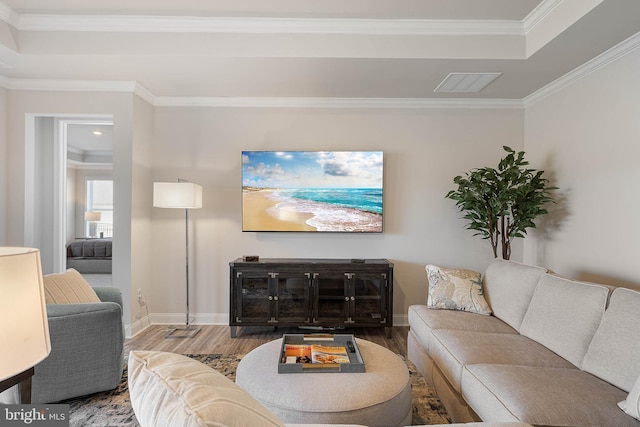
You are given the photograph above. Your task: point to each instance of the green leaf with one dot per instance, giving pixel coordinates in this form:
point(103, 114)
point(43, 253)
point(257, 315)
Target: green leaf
point(511, 193)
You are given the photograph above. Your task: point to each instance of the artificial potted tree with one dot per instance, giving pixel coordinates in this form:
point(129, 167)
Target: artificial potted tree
point(501, 204)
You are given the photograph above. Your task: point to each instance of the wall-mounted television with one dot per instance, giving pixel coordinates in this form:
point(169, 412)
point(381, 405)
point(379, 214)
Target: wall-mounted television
point(312, 191)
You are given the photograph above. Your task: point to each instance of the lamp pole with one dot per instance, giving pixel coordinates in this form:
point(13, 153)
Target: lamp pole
point(186, 264)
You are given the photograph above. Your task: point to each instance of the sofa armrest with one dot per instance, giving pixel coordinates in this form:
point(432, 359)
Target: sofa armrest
point(109, 294)
point(87, 351)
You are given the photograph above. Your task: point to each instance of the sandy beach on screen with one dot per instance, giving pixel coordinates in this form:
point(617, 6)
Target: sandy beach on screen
point(259, 213)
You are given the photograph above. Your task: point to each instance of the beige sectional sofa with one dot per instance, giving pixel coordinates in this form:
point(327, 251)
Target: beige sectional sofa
point(554, 352)
point(169, 389)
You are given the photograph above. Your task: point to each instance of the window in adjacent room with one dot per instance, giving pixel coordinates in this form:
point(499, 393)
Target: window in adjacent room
point(100, 200)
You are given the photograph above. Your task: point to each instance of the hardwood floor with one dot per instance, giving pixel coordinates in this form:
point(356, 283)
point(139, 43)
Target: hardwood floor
point(217, 340)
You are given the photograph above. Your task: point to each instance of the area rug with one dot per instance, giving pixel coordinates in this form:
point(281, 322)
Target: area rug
point(113, 408)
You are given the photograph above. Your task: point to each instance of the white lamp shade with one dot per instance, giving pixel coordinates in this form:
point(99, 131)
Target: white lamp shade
point(24, 329)
point(92, 216)
point(185, 195)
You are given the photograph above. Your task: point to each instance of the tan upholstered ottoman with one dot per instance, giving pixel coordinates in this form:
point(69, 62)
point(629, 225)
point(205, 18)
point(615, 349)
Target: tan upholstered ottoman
point(381, 396)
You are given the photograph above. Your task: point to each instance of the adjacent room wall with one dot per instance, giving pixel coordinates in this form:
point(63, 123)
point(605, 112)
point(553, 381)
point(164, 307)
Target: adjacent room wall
point(423, 150)
point(588, 136)
point(141, 206)
point(119, 106)
point(44, 183)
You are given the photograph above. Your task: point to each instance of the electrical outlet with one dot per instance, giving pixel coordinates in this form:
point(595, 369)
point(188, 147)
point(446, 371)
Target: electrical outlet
point(141, 301)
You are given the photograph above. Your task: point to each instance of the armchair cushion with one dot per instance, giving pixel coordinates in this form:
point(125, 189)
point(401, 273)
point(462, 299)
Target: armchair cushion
point(68, 288)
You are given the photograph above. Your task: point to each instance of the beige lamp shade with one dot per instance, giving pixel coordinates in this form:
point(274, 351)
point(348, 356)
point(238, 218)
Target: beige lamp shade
point(185, 195)
point(92, 216)
point(24, 328)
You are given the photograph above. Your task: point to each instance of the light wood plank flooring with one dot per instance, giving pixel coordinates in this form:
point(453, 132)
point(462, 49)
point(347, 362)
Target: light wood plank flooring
point(217, 340)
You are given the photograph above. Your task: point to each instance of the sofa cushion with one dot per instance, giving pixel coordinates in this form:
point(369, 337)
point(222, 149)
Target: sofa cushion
point(456, 289)
point(508, 288)
point(564, 315)
point(613, 354)
point(543, 396)
point(68, 288)
point(453, 350)
point(422, 320)
point(168, 389)
point(631, 405)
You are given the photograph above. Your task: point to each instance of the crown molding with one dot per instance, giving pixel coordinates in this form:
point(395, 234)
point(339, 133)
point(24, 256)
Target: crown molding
point(302, 102)
point(8, 15)
point(41, 22)
point(68, 85)
point(615, 53)
point(250, 102)
point(190, 24)
point(539, 14)
point(144, 93)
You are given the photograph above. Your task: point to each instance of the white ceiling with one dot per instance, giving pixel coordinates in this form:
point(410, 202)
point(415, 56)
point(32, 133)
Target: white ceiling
point(89, 144)
point(396, 49)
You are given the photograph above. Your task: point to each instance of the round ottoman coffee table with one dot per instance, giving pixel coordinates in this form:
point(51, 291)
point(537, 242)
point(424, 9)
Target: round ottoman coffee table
point(381, 396)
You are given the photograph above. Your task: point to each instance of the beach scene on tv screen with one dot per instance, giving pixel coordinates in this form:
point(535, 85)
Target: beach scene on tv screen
point(328, 191)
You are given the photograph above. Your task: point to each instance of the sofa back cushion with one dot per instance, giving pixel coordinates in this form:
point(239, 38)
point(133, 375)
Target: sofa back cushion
point(564, 315)
point(508, 288)
point(614, 352)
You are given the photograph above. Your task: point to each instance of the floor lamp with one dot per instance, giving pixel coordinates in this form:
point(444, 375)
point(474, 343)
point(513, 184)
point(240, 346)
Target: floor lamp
point(24, 329)
point(180, 195)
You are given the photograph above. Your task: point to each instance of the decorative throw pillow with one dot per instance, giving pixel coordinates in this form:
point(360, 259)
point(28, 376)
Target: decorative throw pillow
point(632, 405)
point(456, 289)
point(168, 389)
point(68, 288)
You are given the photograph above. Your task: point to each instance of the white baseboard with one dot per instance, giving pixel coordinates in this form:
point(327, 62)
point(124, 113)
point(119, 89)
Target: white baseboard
point(221, 319)
point(400, 320)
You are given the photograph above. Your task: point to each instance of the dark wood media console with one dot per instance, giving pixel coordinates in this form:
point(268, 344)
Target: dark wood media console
point(314, 293)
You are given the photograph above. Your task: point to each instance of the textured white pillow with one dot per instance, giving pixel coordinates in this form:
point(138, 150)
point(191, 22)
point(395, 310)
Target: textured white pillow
point(632, 405)
point(168, 389)
point(68, 288)
point(456, 289)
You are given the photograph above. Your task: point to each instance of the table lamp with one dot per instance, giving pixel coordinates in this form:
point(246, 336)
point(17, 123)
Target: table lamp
point(92, 217)
point(24, 329)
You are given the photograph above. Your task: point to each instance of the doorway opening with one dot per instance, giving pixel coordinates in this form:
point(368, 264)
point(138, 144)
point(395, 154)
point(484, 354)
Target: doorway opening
point(64, 153)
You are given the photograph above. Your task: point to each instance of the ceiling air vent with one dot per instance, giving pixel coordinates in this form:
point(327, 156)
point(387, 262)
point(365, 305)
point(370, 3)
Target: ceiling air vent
point(466, 82)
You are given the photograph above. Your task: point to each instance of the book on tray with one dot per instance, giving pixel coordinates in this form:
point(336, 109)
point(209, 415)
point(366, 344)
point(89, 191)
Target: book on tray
point(315, 353)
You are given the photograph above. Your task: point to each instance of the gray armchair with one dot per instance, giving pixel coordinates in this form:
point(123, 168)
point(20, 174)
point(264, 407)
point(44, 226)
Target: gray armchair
point(87, 349)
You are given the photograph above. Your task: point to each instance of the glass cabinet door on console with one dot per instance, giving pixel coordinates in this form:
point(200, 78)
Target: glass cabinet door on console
point(367, 294)
point(253, 297)
point(292, 299)
point(331, 298)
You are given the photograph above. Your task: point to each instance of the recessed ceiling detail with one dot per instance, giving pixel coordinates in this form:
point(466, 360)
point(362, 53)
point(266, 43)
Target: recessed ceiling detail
point(298, 52)
point(466, 82)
